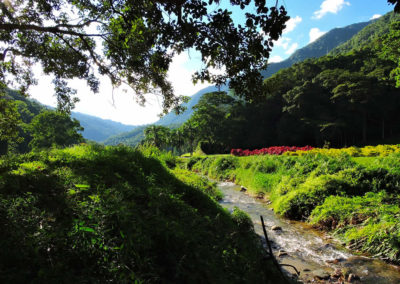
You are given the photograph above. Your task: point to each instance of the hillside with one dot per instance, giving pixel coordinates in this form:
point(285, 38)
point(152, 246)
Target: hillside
point(118, 215)
point(318, 48)
point(95, 128)
point(172, 118)
point(378, 27)
point(98, 129)
point(131, 138)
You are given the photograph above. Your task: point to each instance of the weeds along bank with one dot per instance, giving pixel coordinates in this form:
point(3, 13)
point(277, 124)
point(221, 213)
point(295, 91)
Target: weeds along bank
point(91, 214)
point(356, 198)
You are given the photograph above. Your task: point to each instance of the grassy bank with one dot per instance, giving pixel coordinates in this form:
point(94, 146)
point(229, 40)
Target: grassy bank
point(92, 214)
point(356, 198)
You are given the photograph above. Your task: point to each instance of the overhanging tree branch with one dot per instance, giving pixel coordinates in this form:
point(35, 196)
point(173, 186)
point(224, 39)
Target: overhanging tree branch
point(54, 29)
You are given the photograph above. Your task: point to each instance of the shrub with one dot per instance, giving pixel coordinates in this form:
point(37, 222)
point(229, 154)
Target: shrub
point(114, 214)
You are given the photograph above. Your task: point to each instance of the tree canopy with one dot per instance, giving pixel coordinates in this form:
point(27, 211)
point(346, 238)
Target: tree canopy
point(51, 128)
point(133, 42)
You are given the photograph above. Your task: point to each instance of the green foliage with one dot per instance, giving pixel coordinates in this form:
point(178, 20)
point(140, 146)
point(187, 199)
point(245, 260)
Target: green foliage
point(157, 135)
point(391, 50)
point(369, 223)
point(329, 41)
point(9, 123)
point(51, 128)
point(138, 39)
point(357, 197)
point(368, 34)
point(130, 138)
point(242, 220)
point(115, 214)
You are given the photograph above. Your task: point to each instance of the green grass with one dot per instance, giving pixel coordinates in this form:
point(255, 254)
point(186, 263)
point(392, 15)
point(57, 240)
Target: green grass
point(93, 214)
point(329, 192)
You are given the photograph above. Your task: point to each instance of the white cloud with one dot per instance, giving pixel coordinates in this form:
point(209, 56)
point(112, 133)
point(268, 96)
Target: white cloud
point(283, 42)
point(275, 59)
point(330, 6)
point(315, 33)
point(180, 74)
point(292, 23)
point(376, 16)
point(292, 48)
point(117, 104)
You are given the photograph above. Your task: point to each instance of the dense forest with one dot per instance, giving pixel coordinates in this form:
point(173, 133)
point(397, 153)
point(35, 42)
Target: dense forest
point(343, 99)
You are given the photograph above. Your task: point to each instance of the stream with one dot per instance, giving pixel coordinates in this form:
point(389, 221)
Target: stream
point(313, 253)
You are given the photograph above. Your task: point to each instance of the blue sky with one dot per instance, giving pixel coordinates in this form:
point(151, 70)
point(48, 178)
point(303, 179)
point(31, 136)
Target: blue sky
point(312, 18)
point(309, 19)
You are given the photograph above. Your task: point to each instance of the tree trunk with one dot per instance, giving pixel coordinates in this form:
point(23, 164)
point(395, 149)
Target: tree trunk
point(383, 128)
point(364, 127)
point(3, 147)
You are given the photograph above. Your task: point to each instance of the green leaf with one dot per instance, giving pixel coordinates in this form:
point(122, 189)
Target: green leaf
point(82, 186)
point(87, 229)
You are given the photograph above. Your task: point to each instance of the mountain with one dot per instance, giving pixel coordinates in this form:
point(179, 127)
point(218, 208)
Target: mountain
point(318, 48)
point(174, 119)
point(95, 128)
point(377, 28)
point(131, 138)
point(98, 129)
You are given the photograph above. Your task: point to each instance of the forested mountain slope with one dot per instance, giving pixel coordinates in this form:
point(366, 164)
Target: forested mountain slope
point(172, 118)
point(335, 100)
point(318, 48)
point(130, 138)
point(95, 128)
point(376, 29)
point(98, 129)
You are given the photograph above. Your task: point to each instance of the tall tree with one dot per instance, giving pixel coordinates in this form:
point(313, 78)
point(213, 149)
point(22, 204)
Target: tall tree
point(157, 135)
point(51, 128)
point(133, 42)
point(9, 123)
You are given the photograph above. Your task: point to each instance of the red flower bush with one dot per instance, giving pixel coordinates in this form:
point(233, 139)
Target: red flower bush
point(275, 150)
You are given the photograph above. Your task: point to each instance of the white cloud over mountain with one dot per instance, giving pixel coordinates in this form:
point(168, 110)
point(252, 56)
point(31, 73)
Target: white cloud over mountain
point(291, 24)
point(275, 59)
point(292, 48)
point(330, 6)
point(376, 16)
point(315, 33)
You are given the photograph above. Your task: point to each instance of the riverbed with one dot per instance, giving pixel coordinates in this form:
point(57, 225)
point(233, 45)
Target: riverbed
point(316, 255)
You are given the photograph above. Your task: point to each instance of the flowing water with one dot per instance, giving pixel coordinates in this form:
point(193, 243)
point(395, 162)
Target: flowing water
point(311, 252)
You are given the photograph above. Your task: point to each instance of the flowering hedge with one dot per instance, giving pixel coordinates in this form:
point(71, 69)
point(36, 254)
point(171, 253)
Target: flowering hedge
point(275, 150)
point(367, 151)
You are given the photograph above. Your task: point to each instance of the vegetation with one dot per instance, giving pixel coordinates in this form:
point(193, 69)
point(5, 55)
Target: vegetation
point(51, 128)
point(98, 129)
point(99, 214)
point(35, 126)
point(92, 213)
point(317, 49)
point(357, 198)
point(138, 40)
point(94, 128)
point(337, 100)
point(346, 98)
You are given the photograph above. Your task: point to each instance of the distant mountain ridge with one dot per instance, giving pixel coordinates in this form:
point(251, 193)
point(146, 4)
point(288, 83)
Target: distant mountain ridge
point(377, 28)
point(95, 128)
point(322, 46)
point(98, 129)
point(172, 118)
